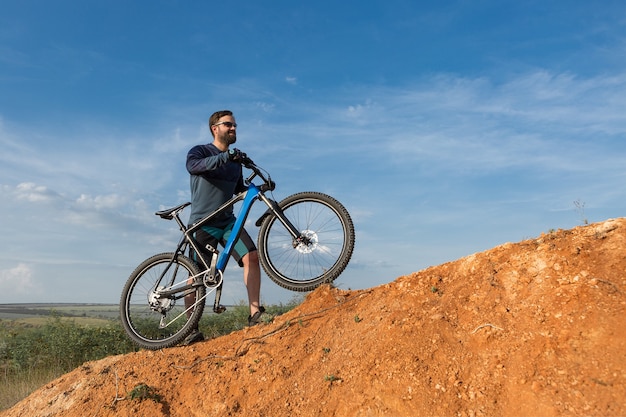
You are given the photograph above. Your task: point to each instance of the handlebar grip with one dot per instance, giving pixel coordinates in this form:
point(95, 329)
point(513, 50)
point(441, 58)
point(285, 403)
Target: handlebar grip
point(268, 186)
point(247, 162)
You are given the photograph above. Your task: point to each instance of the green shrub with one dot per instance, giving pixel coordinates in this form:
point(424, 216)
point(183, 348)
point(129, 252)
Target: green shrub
point(60, 344)
point(144, 392)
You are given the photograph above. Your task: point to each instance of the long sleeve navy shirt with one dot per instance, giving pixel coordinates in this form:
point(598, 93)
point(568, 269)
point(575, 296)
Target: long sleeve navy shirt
point(214, 179)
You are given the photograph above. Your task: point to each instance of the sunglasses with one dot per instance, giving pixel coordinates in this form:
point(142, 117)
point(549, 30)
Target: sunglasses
point(227, 124)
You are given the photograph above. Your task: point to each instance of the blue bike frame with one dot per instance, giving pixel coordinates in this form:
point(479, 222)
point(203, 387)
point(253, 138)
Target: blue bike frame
point(251, 195)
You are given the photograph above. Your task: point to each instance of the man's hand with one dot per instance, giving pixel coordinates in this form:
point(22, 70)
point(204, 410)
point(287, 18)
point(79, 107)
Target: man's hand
point(236, 155)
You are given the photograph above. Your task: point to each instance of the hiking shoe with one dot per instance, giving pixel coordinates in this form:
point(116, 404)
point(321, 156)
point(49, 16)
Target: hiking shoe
point(194, 336)
point(256, 318)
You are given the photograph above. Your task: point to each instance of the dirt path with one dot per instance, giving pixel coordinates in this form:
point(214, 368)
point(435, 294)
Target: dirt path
point(532, 328)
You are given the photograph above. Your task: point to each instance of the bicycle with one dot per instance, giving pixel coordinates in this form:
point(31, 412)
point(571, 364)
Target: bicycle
point(304, 241)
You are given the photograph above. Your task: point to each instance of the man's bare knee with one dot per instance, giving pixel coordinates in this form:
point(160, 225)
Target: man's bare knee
point(250, 257)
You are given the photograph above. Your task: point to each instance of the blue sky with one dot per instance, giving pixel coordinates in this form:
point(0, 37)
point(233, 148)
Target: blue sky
point(446, 128)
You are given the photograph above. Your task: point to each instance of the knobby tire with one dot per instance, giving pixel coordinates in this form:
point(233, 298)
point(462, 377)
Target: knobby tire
point(330, 232)
point(140, 321)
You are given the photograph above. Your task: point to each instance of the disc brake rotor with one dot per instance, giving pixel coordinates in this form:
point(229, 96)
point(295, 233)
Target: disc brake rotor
point(309, 243)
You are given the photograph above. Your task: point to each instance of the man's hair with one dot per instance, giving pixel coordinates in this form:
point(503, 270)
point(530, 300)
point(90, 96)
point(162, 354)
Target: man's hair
point(215, 117)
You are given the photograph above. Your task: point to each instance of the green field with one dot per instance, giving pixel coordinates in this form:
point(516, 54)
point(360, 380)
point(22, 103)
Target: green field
point(81, 313)
point(39, 314)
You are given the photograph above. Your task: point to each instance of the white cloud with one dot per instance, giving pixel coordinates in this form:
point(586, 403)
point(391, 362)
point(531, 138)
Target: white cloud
point(34, 193)
point(17, 280)
point(100, 202)
point(265, 107)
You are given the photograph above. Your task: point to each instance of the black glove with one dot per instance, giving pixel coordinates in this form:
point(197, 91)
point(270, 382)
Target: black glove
point(236, 155)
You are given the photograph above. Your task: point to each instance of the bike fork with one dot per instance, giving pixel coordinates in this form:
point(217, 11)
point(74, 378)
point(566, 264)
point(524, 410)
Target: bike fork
point(274, 209)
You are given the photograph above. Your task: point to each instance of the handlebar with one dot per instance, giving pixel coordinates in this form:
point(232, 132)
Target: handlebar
point(268, 184)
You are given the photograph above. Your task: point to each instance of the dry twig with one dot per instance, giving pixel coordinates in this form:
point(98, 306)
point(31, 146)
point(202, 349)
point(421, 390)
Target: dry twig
point(117, 383)
point(486, 325)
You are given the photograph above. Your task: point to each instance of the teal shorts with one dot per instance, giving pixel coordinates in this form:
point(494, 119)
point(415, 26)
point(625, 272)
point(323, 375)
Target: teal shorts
point(209, 235)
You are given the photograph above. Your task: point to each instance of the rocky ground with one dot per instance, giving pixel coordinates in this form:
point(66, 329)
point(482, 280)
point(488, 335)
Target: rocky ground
point(530, 328)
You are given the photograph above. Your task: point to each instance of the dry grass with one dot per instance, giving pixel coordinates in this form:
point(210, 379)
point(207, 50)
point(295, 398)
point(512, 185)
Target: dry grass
point(18, 386)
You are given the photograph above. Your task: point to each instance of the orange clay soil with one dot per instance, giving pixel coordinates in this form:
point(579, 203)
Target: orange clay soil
point(531, 328)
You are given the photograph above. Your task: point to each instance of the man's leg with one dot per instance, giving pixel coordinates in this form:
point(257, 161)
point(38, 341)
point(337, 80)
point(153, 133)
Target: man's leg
point(195, 335)
point(252, 280)
point(204, 237)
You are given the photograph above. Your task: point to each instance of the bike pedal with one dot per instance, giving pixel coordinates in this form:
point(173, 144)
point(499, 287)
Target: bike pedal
point(219, 309)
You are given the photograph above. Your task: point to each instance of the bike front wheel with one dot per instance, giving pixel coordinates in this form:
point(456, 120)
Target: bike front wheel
point(152, 304)
point(324, 252)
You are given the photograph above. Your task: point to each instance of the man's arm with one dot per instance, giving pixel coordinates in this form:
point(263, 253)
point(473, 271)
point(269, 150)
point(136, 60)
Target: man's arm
point(198, 162)
point(240, 185)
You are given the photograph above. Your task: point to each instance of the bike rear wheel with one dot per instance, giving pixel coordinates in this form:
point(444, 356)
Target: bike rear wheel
point(326, 251)
point(151, 318)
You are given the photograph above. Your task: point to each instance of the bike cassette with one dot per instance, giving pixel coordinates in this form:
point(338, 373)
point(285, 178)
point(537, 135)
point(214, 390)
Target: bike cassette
point(159, 304)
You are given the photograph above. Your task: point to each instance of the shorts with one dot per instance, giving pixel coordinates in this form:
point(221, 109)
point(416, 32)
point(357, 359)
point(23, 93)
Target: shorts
point(208, 235)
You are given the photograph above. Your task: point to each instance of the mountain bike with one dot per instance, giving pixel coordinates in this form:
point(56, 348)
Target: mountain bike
point(304, 241)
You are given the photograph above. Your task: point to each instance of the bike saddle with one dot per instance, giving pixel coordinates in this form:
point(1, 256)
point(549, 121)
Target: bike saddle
point(169, 213)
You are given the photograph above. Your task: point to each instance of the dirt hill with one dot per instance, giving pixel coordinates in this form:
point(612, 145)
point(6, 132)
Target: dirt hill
point(532, 328)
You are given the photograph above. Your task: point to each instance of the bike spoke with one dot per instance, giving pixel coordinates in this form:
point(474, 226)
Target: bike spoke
point(322, 250)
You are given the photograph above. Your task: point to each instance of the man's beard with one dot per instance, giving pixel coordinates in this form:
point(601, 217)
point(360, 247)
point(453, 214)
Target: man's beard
point(228, 138)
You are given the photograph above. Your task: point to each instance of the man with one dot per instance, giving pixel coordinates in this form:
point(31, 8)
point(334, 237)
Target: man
point(216, 175)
